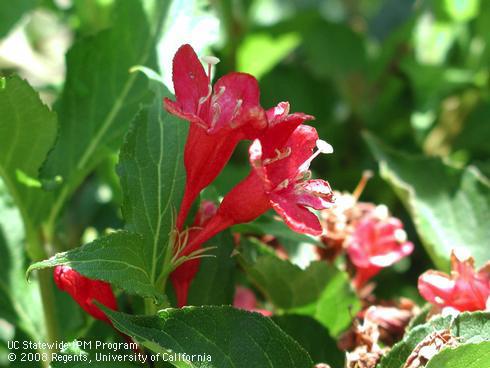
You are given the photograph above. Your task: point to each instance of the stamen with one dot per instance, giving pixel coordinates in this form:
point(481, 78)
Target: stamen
point(216, 114)
point(279, 156)
point(366, 175)
point(237, 108)
point(282, 185)
point(381, 212)
point(400, 235)
point(323, 147)
point(211, 61)
point(203, 99)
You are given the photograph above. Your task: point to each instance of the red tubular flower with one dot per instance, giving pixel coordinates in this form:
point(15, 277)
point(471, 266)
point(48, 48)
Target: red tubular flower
point(378, 241)
point(220, 117)
point(183, 275)
point(279, 179)
point(85, 291)
point(464, 289)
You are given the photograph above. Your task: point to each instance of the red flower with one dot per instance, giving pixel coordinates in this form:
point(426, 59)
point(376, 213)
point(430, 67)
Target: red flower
point(378, 241)
point(84, 291)
point(219, 118)
point(279, 179)
point(245, 299)
point(464, 289)
point(183, 275)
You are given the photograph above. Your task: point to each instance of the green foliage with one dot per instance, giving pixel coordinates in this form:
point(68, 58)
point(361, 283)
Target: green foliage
point(19, 302)
point(464, 356)
point(467, 328)
point(214, 283)
point(313, 337)
point(22, 117)
point(321, 291)
point(449, 206)
point(233, 338)
point(152, 174)
point(101, 95)
point(12, 12)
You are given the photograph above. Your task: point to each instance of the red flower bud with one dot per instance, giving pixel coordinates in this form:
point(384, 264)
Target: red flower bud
point(220, 117)
point(378, 241)
point(85, 291)
point(464, 289)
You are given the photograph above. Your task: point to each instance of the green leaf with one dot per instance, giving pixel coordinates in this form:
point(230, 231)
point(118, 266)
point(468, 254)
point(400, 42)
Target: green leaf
point(449, 206)
point(230, 337)
point(11, 13)
point(463, 356)
point(271, 50)
point(321, 291)
point(101, 95)
point(462, 10)
point(467, 328)
point(115, 258)
point(214, 282)
point(313, 337)
point(20, 303)
point(152, 177)
point(27, 131)
point(285, 284)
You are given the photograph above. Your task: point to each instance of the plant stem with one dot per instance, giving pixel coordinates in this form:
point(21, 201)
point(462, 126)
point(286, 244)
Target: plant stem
point(49, 306)
point(46, 290)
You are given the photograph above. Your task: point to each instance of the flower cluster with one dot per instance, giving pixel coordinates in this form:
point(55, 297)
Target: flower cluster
point(280, 155)
point(371, 237)
point(465, 289)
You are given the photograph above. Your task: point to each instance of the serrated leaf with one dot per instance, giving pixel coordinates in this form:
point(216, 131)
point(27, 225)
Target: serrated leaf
point(449, 206)
point(464, 356)
point(27, 131)
point(313, 337)
point(467, 328)
point(101, 95)
point(231, 337)
point(152, 177)
point(12, 12)
point(115, 258)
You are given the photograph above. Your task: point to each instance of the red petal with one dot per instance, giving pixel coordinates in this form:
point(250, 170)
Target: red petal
point(296, 217)
point(236, 102)
point(190, 80)
point(436, 287)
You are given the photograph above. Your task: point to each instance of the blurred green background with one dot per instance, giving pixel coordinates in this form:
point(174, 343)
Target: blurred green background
point(414, 73)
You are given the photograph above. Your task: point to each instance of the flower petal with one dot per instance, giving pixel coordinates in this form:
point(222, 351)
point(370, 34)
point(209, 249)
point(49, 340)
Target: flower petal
point(236, 102)
point(295, 216)
point(190, 80)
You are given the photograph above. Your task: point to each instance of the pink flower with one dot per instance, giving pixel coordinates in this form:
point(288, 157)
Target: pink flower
point(183, 275)
point(245, 299)
point(85, 291)
point(464, 289)
point(378, 241)
point(220, 117)
point(279, 179)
